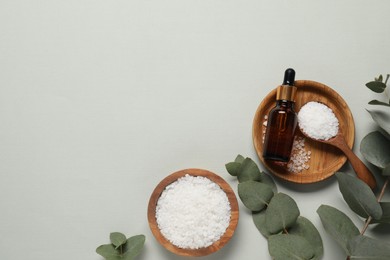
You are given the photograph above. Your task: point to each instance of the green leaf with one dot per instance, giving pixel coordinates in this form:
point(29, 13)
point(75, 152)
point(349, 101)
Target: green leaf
point(282, 213)
point(254, 195)
point(117, 239)
point(133, 246)
point(249, 171)
point(266, 179)
point(287, 247)
point(362, 247)
point(375, 147)
point(239, 158)
point(304, 228)
point(382, 119)
point(380, 78)
point(377, 102)
point(233, 168)
point(259, 220)
point(385, 219)
point(338, 225)
point(116, 258)
point(376, 86)
point(359, 196)
point(386, 171)
point(108, 251)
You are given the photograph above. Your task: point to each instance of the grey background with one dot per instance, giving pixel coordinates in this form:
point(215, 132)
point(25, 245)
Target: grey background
point(100, 100)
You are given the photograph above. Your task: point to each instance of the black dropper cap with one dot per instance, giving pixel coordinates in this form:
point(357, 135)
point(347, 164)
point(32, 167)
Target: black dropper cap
point(289, 77)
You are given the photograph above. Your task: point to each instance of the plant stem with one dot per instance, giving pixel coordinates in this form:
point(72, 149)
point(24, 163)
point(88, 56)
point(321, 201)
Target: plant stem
point(379, 198)
point(383, 189)
point(387, 78)
point(387, 95)
point(366, 223)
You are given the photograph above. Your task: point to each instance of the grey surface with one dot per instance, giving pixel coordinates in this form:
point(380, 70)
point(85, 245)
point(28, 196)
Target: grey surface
point(100, 100)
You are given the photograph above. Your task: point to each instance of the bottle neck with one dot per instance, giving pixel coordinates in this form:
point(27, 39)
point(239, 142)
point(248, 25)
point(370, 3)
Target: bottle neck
point(286, 92)
point(285, 103)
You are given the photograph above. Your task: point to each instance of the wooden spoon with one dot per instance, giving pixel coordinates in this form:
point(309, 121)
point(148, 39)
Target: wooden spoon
point(360, 168)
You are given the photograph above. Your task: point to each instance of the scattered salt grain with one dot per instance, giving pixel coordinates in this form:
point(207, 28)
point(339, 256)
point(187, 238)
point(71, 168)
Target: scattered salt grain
point(318, 121)
point(265, 122)
point(300, 157)
point(193, 212)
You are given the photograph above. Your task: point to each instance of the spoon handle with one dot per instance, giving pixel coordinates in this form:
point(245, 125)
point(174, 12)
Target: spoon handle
point(360, 168)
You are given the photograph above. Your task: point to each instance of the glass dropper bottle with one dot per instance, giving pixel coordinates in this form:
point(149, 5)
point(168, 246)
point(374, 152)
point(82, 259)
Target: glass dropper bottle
point(282, 122)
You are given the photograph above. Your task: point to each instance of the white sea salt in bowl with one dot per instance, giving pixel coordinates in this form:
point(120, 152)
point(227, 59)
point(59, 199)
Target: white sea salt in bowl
point(193, 212)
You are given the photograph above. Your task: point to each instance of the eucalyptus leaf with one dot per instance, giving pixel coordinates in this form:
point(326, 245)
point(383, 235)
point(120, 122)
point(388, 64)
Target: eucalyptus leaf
point(375, 147)
point(282, 213)
point(254, 195)
point(233, 168)
point(377, 102)
point(338, 225)
point(117, 239)
point(249, 171)
point(363, 247)
point(385, 219)
point(108, 251)
point(380, 78)
point(359, 196)
point(304, 228)
point(376, 86)
point(259, 220)
point(266, 179)
point(239, 158)
point(382, 119)
point(133, 246)
point(287, 247)
point(116, 258)
point(385, 134)
point(386, 171)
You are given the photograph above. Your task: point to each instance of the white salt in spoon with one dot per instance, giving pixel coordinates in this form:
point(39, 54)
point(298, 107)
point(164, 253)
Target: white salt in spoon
point(338, 141)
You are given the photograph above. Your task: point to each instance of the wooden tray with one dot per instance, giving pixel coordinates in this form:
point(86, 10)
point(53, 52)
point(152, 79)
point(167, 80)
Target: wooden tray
point(325, 159)
point(193, 252)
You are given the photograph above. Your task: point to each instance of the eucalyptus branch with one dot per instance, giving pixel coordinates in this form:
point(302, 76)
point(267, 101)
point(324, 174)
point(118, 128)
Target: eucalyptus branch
point(122, 247)
point(276, 215)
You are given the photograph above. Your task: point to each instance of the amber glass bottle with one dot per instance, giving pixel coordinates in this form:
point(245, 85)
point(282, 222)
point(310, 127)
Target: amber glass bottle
point(282, 122)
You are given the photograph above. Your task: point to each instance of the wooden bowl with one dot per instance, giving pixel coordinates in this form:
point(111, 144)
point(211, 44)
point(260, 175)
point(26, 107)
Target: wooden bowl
point(325, 160)
point(201, 251)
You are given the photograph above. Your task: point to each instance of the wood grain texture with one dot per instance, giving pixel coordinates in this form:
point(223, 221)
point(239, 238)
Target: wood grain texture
point(325, 159)
point(202, 251)
point(360, 168)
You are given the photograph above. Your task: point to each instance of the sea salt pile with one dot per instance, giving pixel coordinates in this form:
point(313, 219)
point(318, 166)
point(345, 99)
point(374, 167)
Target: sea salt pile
point(318, 121)
point(193, 212)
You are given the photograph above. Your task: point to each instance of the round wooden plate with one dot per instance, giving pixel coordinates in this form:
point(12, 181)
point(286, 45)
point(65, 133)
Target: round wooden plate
point(201, 251)
point(325, 160)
